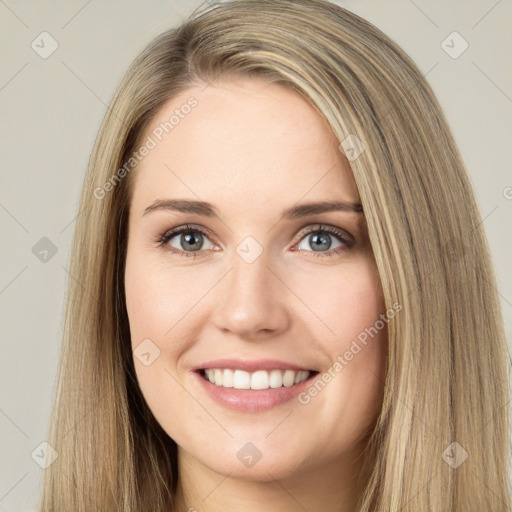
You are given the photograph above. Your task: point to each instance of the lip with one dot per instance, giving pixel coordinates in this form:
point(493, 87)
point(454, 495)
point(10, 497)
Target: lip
point(250, 400)
point(251, 365)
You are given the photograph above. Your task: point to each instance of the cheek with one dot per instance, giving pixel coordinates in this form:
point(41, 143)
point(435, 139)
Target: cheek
point(352, 313)
point(151, 303)
point(160, 300)
point(345, 300)
point(362, 331)
point(159, 314)
point(164, 306)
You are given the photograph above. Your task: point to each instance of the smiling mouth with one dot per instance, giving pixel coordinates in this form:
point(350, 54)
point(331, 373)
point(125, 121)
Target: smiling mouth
point(258, 380)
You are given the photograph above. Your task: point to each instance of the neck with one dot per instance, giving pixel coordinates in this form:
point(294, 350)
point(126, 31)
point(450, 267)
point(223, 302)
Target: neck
point(334, 488)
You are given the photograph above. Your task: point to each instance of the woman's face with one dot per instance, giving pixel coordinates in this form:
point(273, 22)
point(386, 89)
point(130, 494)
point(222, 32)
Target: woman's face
point(261, 289)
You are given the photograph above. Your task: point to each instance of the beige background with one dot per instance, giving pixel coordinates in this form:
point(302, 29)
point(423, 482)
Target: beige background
point(51, 109)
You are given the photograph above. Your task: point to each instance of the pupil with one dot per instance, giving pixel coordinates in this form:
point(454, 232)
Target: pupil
point(321, 241)
point(190, 240)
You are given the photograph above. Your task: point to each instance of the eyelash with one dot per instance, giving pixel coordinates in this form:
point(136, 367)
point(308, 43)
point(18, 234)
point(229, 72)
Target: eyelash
point(342, 236)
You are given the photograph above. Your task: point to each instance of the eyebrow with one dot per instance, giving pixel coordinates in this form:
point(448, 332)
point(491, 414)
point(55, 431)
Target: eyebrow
point(208, 210)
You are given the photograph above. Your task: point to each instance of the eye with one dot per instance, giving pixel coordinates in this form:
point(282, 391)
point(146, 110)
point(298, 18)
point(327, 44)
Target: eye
point(320, 241)
point(186, 240)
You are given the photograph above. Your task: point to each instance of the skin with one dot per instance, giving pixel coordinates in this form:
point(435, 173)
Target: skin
point(253, 149)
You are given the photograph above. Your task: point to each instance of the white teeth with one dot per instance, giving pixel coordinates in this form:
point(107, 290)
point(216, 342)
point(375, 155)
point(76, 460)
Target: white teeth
point(288, 378)
point(276, 379)
point(241, 380)
point(227, 379)
point(301, 376)
point(261, 379)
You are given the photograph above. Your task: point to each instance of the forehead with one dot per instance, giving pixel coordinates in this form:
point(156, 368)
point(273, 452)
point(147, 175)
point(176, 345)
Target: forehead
point(243, 138)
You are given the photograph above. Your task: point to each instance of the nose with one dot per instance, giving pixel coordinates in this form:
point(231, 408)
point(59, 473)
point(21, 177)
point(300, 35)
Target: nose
point(251, 301)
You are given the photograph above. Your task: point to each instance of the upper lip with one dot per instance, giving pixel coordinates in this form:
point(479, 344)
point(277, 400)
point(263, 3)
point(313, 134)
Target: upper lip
point(251, 365)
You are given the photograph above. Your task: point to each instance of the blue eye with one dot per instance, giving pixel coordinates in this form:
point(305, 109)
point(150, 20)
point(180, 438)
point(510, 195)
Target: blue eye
point(320, 241)
point(189, 241)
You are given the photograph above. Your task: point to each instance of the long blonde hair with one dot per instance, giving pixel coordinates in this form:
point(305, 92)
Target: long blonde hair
point(447, 369)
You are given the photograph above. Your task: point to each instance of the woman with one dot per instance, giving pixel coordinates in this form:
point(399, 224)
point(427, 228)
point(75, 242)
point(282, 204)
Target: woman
point(286, 300)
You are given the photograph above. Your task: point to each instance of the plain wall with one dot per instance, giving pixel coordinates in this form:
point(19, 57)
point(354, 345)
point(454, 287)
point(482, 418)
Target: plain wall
point(51, 110)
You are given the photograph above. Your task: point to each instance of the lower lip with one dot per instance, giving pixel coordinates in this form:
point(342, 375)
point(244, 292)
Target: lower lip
point(252, 400)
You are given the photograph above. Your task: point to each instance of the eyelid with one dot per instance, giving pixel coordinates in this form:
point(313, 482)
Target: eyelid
point(326, 228)
point(186, 227)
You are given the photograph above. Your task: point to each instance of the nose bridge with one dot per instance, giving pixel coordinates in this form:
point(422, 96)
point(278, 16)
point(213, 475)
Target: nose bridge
point(250, 279)
point(249, 299)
